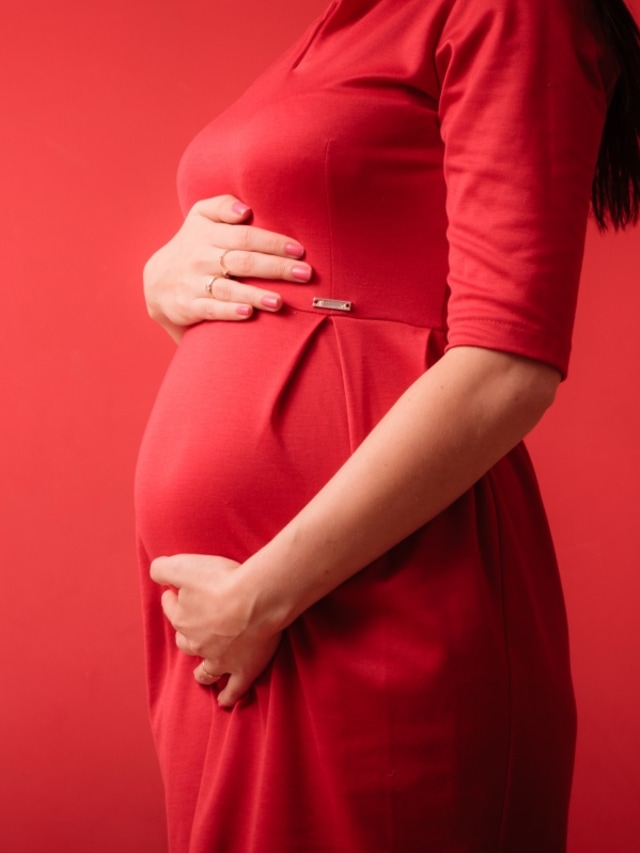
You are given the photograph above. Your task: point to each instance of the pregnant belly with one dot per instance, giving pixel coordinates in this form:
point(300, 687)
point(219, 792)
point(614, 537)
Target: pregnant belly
point(249, 422)
point(253, 418)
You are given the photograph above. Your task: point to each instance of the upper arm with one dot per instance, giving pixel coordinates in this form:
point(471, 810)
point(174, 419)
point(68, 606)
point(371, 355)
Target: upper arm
point(523, 102)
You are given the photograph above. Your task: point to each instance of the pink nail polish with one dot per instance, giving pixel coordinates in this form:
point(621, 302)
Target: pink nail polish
point(240, 208)
point(301, 273)
point(244, 310)
point(294, 250)
point(270, 301)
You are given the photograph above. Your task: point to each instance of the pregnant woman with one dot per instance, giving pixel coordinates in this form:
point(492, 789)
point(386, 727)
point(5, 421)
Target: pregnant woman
point(340, 530)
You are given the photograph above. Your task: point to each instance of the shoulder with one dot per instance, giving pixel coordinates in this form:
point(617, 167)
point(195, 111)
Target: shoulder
point(521, 20)
point(546, 38)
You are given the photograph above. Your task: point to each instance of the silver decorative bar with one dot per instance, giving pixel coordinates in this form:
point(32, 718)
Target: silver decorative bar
point(332, 304)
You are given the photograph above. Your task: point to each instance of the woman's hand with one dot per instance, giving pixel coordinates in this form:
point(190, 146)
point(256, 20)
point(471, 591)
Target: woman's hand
point(184, 282)
point(214, 618)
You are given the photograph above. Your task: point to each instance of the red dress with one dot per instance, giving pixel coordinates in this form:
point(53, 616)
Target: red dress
point(435, 158)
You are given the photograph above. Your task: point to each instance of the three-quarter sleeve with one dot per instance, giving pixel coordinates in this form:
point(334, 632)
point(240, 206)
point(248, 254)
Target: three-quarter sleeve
point(522, 107)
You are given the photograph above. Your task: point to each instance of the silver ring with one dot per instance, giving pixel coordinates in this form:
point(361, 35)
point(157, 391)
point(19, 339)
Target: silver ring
point(223, 270)
point(206, 671)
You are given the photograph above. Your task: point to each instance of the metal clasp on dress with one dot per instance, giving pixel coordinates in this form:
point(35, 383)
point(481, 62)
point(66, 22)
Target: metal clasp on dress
point(332, 304)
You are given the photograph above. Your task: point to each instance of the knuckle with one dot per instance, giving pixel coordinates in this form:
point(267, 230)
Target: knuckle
point(181, 641)
point(223, 289)
point(182, 303)
point(209, 208)
point(274, 245)
point(148, 272)
point(245, 263)
point(209, 310)
point(244, 234)
point(189, 647)
point(283, 269)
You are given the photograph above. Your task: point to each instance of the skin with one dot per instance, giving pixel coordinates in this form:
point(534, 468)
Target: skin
point(456, 421)
point(175, 277)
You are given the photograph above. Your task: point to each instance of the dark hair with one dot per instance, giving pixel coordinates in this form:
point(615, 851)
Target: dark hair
point(616, 186)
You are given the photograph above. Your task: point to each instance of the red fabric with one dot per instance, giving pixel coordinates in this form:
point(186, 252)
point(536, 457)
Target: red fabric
point(425, 705)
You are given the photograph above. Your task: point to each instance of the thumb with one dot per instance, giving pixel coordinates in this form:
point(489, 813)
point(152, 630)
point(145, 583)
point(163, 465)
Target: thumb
point(167, 571)
point(161, 571)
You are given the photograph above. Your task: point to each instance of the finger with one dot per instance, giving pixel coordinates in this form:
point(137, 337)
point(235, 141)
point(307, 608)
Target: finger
point(234, 690)
point(232, 211)
point(239, 263)
point(225, 291)
point(222, 208)
point(252, 239)
point(213, 309)
point(204, 674)
point(185, 645)
point(169, 603)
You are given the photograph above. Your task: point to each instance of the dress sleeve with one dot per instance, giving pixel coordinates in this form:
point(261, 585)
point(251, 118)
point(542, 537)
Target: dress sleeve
point(522, 107)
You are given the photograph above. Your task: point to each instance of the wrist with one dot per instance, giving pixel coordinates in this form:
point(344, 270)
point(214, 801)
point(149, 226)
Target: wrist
point(282, 578)
point(271, 608)
point(293, 571)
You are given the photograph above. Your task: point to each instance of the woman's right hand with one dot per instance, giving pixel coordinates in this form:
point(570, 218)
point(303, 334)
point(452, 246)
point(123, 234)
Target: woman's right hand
point(184, 282)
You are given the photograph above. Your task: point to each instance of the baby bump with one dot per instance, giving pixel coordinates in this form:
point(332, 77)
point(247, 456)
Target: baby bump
point(248, 424)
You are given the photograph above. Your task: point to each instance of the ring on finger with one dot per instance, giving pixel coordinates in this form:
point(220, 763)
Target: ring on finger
point(206, 671)
point(224, 272)
point(209, 285)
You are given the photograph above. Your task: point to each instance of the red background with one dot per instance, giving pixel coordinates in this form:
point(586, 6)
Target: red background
point(97, 102)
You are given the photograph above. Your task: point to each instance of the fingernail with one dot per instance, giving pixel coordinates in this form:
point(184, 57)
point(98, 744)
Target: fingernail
point(294, 250)
point(301, 273)
point(270, 301)
point(244, 310)
point(240, 208)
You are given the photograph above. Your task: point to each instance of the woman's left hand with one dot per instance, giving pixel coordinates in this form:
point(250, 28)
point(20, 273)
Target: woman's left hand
point(214, 618)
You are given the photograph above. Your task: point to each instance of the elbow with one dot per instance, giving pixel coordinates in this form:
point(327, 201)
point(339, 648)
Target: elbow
point(535, 388)
point(511, 392)
point(522, 388)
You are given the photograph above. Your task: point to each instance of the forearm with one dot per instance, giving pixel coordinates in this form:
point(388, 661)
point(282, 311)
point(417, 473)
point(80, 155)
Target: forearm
point(448, 429)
